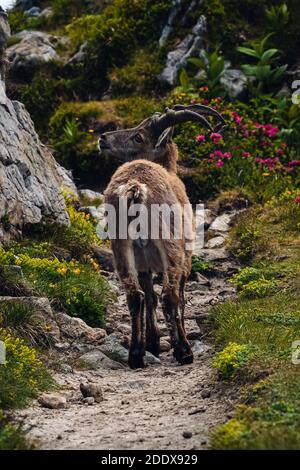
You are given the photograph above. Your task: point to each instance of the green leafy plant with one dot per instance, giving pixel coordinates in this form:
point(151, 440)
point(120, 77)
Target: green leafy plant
point(278, 17)
point(199, 265)
point(251, 282)
point(23, 374)
point(12, 437)
point(263, 71)
point(211, 68)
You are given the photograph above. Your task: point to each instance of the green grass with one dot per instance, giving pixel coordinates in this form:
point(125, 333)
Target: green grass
point(12, 437)
point(267, 324)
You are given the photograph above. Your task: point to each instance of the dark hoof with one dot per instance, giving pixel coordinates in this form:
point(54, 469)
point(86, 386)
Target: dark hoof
point(136, 361)
point(183, 355)
point(187, 359)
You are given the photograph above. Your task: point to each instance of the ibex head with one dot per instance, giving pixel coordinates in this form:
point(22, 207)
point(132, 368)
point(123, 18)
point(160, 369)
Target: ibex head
point(149, 139)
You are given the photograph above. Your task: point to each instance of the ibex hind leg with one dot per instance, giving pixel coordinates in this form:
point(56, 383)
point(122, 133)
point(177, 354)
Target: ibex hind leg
point(170, 303)
point(152, 332)
point(135, 301)
point(124, 261)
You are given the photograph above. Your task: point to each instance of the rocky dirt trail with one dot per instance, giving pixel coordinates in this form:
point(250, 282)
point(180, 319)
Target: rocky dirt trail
point(164, 406)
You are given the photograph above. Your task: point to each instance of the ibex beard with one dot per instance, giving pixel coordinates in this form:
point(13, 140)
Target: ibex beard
point(148, 181)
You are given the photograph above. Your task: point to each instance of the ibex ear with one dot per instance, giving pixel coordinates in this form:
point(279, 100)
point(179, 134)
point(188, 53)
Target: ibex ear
point(165, 137)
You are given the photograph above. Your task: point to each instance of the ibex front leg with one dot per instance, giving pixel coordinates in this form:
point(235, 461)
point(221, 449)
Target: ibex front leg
point(124, 261)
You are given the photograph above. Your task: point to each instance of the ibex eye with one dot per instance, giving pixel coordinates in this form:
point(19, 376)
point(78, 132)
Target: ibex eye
point(138, 139)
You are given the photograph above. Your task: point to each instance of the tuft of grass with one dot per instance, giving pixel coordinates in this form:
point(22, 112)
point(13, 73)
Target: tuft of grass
point(25, 321)
point(12, 437)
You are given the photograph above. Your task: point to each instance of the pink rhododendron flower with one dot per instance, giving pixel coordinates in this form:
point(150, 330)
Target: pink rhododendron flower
point(219, 163)
point(280, 152)
point(236, 117)
point(227, 154)
point(297, 199)
point(215, 137)
point(271, 131)
point(218, 153)
point(246, 154)
point(294, 162)
point(201, 138)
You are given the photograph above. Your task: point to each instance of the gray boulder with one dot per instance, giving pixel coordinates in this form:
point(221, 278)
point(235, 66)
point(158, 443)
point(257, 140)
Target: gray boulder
point(54, 401)
point(113, 348)
point(234, 82)
point(221, 223)
point(33, 12)
point(94, 360)
point(215, 242)
point(47, 12)
point(90, 198)
point(80, 55)
point(76, 329)
point(34, 48)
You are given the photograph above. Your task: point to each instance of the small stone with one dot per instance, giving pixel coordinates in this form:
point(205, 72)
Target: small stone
point(92, 390)
point(200, 348)
point(202, 280)
point(65, 369)
point(165, 345)
point(206, 393)
point(150, 359)
point(61, 346)
point(89, 400)
point(197, 411)
point(215, 242)
point(187, 434)
point(90, 198)
point(53, 401)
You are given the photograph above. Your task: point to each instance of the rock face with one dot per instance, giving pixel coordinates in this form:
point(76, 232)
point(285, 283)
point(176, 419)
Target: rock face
point(190, 46)
point(34, 48)
point(169, 25)
point(30, 180)
point(4, 35)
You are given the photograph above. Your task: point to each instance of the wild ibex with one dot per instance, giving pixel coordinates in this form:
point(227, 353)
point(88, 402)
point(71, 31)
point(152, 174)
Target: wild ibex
point(149, 178)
